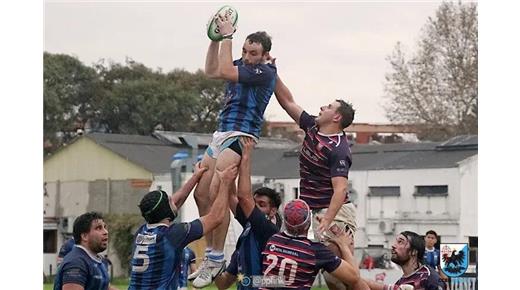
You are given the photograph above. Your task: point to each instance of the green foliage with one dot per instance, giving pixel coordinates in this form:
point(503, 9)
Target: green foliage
point(437, 87)
point(122, 228)
point(68, 91)
point(125, 98)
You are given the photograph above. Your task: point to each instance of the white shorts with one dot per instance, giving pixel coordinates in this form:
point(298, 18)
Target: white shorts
point(222, 140)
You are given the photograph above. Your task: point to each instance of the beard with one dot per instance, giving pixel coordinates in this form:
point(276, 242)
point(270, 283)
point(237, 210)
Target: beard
point(400, 260)
point(98, 246)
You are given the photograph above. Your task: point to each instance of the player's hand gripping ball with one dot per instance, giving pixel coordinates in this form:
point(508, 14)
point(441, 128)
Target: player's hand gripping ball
point(213, 31)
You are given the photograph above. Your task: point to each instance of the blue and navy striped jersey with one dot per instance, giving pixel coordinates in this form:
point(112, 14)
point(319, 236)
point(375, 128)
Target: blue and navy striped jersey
point(247, 99)
point(188, 257)
point(79, 267)
point(257, 230)
point(157, 253)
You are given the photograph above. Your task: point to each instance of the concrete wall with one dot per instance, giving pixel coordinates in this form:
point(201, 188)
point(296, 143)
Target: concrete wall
point(71, 199)
point(468, 171)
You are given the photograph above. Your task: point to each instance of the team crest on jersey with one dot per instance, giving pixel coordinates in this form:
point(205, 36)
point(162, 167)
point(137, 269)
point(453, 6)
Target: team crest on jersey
point(454, 259)
point(258, 71)
point(272, 248)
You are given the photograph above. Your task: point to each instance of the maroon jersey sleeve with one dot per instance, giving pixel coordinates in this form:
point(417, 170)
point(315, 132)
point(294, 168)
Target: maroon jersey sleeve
point(340, 161)
point(306, 121)
point(325, 258)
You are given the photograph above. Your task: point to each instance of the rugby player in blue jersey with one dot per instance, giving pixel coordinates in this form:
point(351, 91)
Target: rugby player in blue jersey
point(325, 160)
point(158, 244)
point(83, 268)
point(250, 83)
point(292, 261)
point(256, 212)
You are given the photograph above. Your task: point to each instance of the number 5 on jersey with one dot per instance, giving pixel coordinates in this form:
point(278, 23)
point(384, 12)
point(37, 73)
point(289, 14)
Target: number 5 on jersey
point(141, 253)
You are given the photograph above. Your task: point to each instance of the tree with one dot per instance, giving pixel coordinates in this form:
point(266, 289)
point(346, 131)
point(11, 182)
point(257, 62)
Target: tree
point(68, 90)
point(206, 99)
point(127, 98)
point(437, 88)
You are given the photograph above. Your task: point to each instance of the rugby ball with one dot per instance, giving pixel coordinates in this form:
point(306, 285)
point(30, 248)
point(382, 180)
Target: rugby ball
point(213, 31)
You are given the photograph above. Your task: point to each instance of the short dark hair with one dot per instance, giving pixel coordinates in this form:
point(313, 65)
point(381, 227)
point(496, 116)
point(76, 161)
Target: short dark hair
point(416, 243)
point(273, 196)
point(83, 223)
point(261, 37)
point(432, 232)
point(347, 113)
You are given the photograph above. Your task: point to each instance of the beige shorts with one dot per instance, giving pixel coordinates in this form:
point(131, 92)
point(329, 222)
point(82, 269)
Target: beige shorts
point(346, 216)
point(222, 140)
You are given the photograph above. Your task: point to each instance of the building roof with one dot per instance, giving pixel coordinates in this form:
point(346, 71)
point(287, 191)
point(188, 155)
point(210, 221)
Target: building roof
point(284, 163)
point(278, 158)
point(152, 154)
point(203, 139)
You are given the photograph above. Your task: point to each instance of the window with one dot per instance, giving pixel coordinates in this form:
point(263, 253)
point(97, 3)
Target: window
point(431, 190)
point(384, 191)
point(50, 241)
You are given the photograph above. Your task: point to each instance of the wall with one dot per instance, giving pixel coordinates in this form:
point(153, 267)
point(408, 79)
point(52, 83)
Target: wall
point(86, 160)
point(454, 217)
point(468, 171)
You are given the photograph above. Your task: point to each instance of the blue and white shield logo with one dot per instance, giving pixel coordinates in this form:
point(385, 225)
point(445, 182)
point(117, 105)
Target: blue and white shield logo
point(454, 259)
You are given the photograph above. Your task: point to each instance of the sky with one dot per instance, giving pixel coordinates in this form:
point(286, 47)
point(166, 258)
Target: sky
point(324, 51)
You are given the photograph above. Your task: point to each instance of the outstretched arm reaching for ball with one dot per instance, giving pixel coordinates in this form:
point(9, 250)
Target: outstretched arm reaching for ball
point(226, 69)
point(211, 68)
point(286, 100)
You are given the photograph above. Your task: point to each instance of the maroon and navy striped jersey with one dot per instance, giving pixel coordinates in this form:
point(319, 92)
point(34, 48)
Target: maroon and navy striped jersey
point(321, 158)
point(296, 259)
point(424, 278)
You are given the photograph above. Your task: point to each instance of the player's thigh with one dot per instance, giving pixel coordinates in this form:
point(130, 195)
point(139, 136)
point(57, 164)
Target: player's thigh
point(203, 186)
point(225, 159)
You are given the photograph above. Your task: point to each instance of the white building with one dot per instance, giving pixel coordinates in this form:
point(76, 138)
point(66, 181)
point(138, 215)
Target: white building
point(398, 187)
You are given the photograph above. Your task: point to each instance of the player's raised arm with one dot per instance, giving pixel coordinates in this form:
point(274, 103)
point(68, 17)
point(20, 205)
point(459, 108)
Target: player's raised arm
point(286, 100)
point(244, 192)
point(179, 197)
point(211, 67)
point(226, 69)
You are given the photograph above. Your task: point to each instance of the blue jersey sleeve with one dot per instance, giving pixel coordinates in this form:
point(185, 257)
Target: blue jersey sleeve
point(257, 75)
point(75, 271)
point(325, 258)
point(240, 216)
point(262, 228)
point(232, 268)
point(306, 121)
point(339, 162)
point(180, 235)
